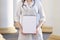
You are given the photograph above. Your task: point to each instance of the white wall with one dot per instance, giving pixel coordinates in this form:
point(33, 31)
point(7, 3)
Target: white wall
point(10, 13)
point(6, 13)
point(3, 13)
point(56, 17)
point(14, 7)
point(52, 11)
point(48, 8)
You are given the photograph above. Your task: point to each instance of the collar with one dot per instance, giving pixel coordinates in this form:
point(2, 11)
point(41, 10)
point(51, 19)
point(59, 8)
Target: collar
point(31, 4)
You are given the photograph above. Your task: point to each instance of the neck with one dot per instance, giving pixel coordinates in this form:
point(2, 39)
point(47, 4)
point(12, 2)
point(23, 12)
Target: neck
point(29, 0)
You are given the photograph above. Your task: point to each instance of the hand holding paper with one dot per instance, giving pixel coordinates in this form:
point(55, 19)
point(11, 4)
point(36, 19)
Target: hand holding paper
point(29, 24)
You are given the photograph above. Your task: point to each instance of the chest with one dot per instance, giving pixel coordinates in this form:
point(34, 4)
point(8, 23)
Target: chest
point(30, 11)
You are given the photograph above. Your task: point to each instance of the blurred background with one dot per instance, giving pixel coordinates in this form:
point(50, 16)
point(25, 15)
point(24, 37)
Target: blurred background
point(51, 28)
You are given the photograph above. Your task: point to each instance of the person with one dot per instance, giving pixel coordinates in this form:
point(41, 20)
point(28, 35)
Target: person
point(35, 7)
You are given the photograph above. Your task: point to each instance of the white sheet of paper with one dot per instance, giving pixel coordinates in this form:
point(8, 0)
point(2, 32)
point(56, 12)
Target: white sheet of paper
point(29, 24)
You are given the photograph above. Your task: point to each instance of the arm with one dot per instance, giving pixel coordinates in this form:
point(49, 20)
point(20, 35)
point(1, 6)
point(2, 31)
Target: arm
point(17, 15)
point(42, 15)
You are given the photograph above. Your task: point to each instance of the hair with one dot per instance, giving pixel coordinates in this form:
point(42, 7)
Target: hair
point(23, 2)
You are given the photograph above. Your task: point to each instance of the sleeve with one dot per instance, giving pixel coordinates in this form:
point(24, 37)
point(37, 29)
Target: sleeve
point(41, 12)
point(18, 12)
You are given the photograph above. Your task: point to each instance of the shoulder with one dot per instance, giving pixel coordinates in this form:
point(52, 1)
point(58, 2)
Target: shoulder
point(38, 3)
point(19, 4)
